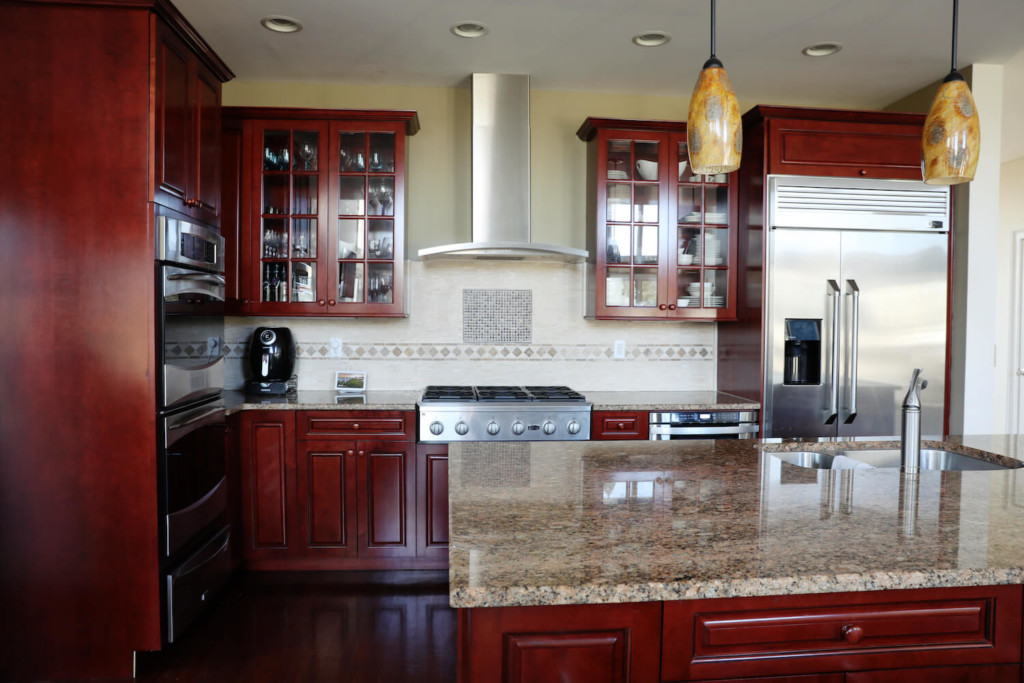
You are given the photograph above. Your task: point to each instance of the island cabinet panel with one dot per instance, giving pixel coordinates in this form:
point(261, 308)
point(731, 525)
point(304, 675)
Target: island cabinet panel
point(267, 463)
point(609, 425)
point(597, 643)
point(992, 673)
point(432, 501)
point(804, 634)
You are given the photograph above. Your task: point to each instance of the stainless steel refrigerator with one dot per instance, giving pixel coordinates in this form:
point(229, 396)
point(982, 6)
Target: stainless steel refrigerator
point(856, 299)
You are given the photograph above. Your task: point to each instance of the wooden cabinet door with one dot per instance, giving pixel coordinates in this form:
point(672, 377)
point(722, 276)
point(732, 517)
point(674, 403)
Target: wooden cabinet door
point(205, 191)
point(326, 508)
point(432, 501)
point(172, 119)
point(386, 498)
point(267, 463)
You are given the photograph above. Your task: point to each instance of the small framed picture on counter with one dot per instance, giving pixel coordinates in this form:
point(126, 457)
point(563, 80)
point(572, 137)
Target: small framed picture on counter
point(350, 381)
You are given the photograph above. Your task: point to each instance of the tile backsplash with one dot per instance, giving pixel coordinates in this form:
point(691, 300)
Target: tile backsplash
point(554, 344)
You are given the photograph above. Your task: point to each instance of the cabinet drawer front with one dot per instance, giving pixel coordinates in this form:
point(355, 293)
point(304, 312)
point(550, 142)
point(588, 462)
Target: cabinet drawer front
point(397, 424)
point(805, 633)
point(830, 148)
point(617, 425)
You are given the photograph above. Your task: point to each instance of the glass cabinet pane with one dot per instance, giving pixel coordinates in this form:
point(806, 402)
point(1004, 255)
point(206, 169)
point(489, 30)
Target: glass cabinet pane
point(616, 287)
point(275, 282)
point(350, 282)
point(305, 156)
point(381, 240)
point(275, 194)
point(685, 174)
point(303, 237)
point(688, 288)
point(645, 287)
point(275, 150)
point(715, 286)
point(352, 152)
point(619, 201)
point(689, 207)
point(716, 209)
point(380, 283)
point(303, 281)
point(350, 238)
point(646, 160)
point(619, 164)
point(351, 199)
point(618, 244)
point(646, 247)
point(645, 208)
point(275, 238)
point(715, 243)
point(382, 153)
point(304, 194)
point(688, 246)
point(381, 197)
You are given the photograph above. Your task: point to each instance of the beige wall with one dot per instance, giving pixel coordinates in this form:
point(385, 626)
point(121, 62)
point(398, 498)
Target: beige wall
point(1011, 222)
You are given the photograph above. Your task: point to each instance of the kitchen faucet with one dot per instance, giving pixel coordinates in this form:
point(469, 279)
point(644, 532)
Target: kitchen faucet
point(910, 439)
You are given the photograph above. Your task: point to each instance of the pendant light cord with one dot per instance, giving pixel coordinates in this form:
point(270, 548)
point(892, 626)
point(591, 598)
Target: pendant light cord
point(713, 27)
point(956, 7)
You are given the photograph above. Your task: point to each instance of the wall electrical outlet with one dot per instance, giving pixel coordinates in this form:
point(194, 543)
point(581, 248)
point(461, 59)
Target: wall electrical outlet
point(334, 348)
point(619, 349)
point(213, 346)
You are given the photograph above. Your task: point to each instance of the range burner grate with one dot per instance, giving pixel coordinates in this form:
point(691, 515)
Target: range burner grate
point(496, 394)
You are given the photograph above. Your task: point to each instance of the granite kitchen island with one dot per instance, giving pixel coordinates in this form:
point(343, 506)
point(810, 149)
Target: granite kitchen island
point(689, 560)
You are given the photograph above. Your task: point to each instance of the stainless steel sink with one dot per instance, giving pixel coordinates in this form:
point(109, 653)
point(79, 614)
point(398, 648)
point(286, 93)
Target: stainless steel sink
point(889, 458)
point(931, 459)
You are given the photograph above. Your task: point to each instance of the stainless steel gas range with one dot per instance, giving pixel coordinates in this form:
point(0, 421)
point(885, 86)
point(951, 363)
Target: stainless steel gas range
point(503, 413)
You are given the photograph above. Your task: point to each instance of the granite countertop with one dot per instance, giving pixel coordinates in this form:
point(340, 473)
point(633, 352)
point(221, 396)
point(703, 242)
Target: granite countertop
point(407, 400)
point(597, 522)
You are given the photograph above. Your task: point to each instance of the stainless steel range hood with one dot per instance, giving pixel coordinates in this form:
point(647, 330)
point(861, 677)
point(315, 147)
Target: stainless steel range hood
point(501, 178)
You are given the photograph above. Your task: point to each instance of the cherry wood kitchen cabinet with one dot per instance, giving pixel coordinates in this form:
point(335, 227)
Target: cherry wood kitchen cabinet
point(432, 501)
point(661, 241)
point(187, 152)
point(619, 425)
point(320, 229)
point(80, 560)
point(267, 465)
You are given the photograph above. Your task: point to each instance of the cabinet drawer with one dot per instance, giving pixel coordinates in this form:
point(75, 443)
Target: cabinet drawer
point(362, 423)
point(845, 631)
point(608, 425)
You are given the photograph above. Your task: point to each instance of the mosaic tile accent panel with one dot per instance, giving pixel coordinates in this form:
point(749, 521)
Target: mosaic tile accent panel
point(485, 352)
point(497, 316)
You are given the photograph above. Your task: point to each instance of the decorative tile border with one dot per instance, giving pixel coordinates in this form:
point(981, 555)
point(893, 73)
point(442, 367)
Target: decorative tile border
point(384, 351)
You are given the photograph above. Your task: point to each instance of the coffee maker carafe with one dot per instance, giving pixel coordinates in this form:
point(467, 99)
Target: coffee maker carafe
point(271, 361)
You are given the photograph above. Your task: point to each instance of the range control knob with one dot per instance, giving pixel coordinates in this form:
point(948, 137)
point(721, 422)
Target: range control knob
point(461, 428)
point(493, 428)
point(573, 427)
point(436, 428)
point(518, 428)
point(548, 427)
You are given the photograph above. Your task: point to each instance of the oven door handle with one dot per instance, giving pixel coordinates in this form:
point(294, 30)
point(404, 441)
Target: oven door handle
point(209, 278)
point(710, 430)
point(176, 430)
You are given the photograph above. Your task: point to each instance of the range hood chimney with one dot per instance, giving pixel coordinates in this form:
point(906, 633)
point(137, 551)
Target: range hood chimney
point(501, 178)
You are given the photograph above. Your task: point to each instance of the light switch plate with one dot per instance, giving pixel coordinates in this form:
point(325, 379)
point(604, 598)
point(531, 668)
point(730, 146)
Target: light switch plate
point(334, 348)
point(619, 349)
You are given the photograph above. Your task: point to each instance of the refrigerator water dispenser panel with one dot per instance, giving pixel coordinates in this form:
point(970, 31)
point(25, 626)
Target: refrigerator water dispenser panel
point(803, 351)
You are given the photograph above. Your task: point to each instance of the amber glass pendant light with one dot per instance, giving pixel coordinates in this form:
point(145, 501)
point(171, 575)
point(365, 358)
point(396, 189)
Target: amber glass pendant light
point(713, 133)
point(952, 133)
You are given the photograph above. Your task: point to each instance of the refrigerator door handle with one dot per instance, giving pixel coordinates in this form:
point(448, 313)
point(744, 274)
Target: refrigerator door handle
point(832, 412)
point(851, 413)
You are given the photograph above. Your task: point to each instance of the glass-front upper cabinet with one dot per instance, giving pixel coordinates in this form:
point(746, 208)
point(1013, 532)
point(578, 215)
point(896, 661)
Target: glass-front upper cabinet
point(323, 218)
point(660, 242)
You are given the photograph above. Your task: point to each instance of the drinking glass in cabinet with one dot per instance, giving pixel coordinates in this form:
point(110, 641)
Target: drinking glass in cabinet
point(303, 281)
point(645, 287)
point(381, 239)
point(307, 145)
point(646, 204)
point(619, 202)
point(616, 287)
point(381, 197)
point(382, 153)
point(275, 282)
point(275, 150)
point(350, 238)
point(619, 244)
point(350, 282)
point(303, 236)
point(689, 204)
point(380, 284)
point(275, 244)
point(351, 148)
point(645, 250)
point(275, 195)
point(350, 202)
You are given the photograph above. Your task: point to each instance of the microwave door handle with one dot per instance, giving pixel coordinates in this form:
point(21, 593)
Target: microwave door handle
point(854, 292)
point(832, 412)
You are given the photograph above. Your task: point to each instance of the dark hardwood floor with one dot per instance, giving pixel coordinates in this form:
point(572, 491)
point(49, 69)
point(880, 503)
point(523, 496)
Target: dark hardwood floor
point(318, 626)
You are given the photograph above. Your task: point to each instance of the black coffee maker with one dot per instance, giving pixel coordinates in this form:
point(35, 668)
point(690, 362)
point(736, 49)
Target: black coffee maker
point(271, 361)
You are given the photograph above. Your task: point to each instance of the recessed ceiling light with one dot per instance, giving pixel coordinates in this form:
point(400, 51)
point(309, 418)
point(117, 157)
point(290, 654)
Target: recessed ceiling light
point(470, 29)
point(281, 24)
point(822, 49)
point(651, 38)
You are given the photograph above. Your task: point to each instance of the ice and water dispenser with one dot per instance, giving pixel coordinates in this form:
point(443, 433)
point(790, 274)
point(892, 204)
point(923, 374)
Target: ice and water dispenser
point(803, 351)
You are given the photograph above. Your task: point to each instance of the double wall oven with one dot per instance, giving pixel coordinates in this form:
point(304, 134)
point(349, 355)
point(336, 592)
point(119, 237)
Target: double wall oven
point(191, 458)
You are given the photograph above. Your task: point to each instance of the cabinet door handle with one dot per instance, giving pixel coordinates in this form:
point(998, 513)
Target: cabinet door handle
point(332, 302)
point(350, 453)
point(355, 425)
point(321, 302)
point(662, 307)
point(671, 307)
point(362, 453)
point(862, 172)
point(852, 634)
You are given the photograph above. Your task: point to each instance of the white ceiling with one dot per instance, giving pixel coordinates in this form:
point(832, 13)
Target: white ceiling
point(891, 47)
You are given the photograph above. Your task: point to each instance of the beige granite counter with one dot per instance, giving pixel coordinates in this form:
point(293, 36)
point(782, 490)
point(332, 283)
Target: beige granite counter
point(668, 400)
point(323, 400)
point(598, 522)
